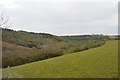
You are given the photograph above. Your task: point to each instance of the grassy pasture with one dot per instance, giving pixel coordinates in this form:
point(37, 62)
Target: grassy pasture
point(100, 62)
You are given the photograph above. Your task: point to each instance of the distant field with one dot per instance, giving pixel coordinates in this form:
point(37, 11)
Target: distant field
point(101, 62)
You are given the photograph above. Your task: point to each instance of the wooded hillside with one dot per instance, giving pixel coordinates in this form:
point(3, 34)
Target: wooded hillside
point(21, 47)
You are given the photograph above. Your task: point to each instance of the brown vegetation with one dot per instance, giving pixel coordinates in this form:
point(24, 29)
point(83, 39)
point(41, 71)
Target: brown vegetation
point(11, 44)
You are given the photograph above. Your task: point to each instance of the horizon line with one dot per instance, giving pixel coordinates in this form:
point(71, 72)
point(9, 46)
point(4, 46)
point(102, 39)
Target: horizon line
point(71, 34)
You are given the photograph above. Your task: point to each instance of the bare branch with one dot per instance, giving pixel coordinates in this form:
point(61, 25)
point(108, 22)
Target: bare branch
point(3, 20)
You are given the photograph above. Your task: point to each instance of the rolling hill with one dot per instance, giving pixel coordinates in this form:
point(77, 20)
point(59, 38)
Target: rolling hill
point(21, 47)
point(85, 37)
point(101, 62)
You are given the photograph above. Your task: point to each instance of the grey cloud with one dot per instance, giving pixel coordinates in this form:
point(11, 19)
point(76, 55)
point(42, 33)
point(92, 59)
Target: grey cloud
point(62, 18)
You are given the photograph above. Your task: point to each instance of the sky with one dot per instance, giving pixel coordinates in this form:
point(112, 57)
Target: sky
point(62, 17)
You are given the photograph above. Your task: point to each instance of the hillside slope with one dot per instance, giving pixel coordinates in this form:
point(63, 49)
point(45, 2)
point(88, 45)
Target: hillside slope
point(10, 44)
point(22, 47)
point(101, 62)
point(29, 39)
point(85, 38)
point(9, 48)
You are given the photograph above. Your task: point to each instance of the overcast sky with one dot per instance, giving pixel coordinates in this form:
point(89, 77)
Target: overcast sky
point(63, 17)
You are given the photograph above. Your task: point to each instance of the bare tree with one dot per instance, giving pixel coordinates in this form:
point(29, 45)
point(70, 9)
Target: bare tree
point(4, 20)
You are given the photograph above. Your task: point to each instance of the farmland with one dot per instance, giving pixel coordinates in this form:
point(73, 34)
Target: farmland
point(100, 62)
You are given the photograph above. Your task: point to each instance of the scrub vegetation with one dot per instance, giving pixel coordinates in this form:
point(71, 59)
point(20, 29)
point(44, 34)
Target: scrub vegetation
point(21, 47)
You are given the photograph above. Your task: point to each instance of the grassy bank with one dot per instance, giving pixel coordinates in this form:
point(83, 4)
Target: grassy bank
point(101, 62)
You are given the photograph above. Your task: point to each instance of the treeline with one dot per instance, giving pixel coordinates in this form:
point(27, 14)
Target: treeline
point(86, 37)
point(42, 46)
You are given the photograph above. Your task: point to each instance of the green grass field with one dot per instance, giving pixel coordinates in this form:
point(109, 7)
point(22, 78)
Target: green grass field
point(101, 62)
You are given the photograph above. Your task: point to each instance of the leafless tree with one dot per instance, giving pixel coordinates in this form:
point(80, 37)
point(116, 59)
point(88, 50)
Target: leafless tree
point(4, 20)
